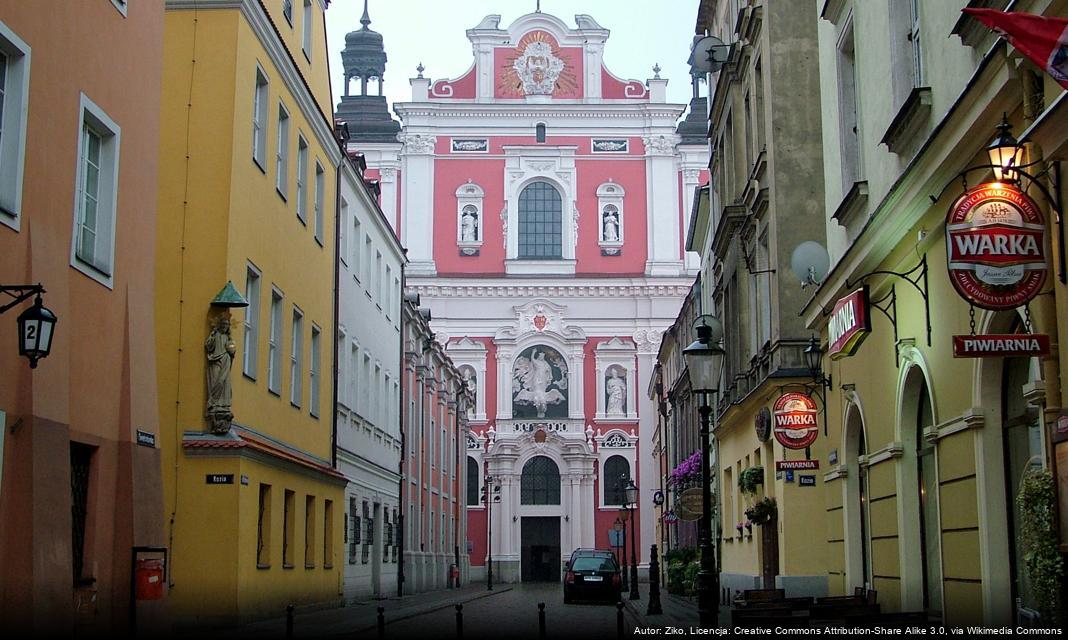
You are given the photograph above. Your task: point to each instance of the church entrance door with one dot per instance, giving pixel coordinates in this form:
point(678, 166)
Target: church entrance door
point(541, 549)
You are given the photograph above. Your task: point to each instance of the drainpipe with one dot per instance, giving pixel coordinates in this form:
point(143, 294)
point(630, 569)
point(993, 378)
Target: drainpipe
point(403, 519)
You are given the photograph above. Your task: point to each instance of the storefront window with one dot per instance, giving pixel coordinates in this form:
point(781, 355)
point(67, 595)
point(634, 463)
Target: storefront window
point(929, 522)
point(1022, 436)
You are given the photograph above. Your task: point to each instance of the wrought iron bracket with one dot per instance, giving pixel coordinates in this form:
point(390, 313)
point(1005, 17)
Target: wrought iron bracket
point(917, 277)
point(19, 293)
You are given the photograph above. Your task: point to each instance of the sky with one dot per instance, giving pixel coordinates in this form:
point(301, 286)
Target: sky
point(643, 33)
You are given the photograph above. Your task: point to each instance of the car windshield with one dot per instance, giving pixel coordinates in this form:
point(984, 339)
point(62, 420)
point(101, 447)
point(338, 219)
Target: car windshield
point(594, 563)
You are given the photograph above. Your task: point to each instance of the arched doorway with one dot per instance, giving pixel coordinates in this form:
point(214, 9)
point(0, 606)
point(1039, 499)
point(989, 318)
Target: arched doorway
point(539, 486)
point(855, 500)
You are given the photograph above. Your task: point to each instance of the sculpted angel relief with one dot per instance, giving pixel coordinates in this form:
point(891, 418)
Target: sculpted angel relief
point(538, 66)
point(539, 384)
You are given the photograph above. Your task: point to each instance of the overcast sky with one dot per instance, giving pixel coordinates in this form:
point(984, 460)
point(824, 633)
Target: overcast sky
point(643, 33)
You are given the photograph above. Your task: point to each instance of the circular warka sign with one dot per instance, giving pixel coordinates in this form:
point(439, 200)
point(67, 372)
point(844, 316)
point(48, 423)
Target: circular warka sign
point(996, 244)
point(795, 420)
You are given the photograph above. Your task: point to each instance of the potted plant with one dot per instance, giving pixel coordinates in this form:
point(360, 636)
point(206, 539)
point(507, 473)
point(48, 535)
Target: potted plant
point(762, 511)
point(1045, 567)
point(739, 527)
point(749, 527)
point(749, 479)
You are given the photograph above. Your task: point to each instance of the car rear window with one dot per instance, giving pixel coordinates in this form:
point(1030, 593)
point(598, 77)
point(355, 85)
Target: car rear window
point(593, 563)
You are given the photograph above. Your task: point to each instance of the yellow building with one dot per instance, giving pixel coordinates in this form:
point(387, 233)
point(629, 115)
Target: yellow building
point(248, 172)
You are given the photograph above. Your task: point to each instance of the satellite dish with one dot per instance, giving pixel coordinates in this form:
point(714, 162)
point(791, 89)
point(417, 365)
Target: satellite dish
point(810, 263)
point(708, 54)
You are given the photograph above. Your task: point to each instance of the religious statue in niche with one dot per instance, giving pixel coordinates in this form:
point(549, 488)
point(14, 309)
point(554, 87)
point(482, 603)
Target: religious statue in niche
point(471, 380)
point(539, 381)
point(611, 224)
point(615, 389)
point(220, 350)
point(469, 224)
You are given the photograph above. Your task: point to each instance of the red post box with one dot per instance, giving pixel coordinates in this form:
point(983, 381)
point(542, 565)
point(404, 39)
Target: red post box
point(148, 578)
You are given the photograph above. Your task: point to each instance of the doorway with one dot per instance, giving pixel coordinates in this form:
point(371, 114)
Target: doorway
point(540, 558)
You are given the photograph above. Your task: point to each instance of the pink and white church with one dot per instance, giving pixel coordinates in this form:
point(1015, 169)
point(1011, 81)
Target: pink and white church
point(544, 202)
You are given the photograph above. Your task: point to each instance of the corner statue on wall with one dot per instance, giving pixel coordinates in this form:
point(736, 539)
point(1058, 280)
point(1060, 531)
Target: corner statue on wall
point(220, 350)
point(539, 383)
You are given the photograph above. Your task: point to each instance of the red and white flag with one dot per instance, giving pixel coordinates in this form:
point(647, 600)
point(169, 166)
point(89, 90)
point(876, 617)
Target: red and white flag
point(1044, 40)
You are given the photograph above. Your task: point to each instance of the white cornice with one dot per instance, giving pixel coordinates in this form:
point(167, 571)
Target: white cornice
point(504, 109)
point(669, 288)
point(261, 25)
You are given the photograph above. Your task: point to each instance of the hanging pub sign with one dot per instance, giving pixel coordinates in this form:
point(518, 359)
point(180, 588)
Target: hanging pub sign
point(1001, 345)
point(795, 420)
point(762, 424)
point(849, 325)
point(996, 244)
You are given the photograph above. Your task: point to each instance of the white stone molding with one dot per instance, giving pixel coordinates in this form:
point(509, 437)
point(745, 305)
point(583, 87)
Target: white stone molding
point(616, 356)
point(556, 166)
point(469, 198)
point(610, 204)
point(471, 353)
point(660, 145)
point(548, 290)
point(417, 143)
point(648, 340)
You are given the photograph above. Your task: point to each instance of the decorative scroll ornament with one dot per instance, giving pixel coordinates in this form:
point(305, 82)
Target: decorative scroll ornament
point(616, 441)
point(659, 145)
point(538, 69)
point(417, 143)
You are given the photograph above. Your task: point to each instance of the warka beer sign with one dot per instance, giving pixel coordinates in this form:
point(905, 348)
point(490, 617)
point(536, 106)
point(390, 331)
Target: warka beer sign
point(795, 420)
point(996, 245)
point(850, 323)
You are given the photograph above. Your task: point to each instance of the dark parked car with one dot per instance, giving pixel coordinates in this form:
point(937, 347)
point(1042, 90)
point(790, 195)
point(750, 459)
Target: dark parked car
point(592, 574)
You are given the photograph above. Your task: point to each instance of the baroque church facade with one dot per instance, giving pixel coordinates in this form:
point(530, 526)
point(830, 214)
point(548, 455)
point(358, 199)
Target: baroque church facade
point(544, 204)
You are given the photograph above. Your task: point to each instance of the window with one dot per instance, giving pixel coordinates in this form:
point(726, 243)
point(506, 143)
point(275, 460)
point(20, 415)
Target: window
point(365, 388)
point(314, 372)
point(287, 11)
point(343, 236)
point(287, 529)
point(328, 534)
point(357, 242)
point(120, 5)
point(848, 109)
point(320, 188)
point(539, 132)
point(274, 345)
point(376, 393)
point(377, 278)
point(302, 177)
point(540, 482)
point(263, 528)
point(281, 165)
point(368, 533)
point(354, 384)
point(758, 82)
point(905, 50)
point(616, 469)
point(97, 193)
point(14, 98)
point(81, 457)
point(342, 374)
point(540, 222)
point(387, 535)
point(472, 482)
point(354, 531)
point(366, 267)
point(259, 121)
point(296, 358)
point(309, 532)
point(252, 321)
point(387, 296)
point(307, 25)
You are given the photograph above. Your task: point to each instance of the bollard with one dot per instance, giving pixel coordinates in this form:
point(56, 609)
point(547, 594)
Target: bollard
point(655, 607)
point(619, 619)
point(381, 622)
point(289, 621)
point(459, 621)
point(541, 619)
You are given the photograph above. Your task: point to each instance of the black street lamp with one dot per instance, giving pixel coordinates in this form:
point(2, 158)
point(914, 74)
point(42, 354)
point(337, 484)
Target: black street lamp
point(1003, 151)
point(492, 487)
point(36, 325)
point(618, 525)
point(630, 492)
point(704, 361)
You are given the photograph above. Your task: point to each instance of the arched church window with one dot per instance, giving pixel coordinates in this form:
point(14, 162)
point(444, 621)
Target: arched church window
point(540, 222)
point(472, 482)
point(540, 483)
point(616, 469)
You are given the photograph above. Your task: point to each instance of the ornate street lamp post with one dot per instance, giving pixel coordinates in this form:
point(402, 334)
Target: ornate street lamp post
point(704, 360)
point(36, 325)
point(491, 488)
point(631, 492)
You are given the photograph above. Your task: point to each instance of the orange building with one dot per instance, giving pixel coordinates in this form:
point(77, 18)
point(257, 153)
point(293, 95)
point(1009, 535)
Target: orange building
point(80, 485)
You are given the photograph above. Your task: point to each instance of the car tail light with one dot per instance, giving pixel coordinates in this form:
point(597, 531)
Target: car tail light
point(570, 577)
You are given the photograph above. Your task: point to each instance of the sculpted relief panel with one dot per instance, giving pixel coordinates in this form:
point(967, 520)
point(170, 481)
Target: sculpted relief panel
point(539, 384)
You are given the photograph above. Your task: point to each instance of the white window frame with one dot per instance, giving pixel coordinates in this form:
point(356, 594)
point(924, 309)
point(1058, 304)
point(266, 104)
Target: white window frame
point(317, 201)
point(306, 26)
point(287, 11)
point(281, 165)
point(315, 370)
point(342, 375)
point(93, 117)
point(302, 179)
point(387, 293)
point(357, 246)
point(296, 359)
point(343, 236)
point(260, 100)
point(354, 380)
point(274, 346)
point(120, 6)
point(16, 102)
point(250, 359)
